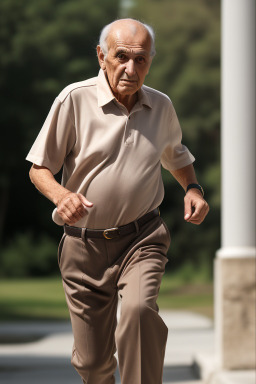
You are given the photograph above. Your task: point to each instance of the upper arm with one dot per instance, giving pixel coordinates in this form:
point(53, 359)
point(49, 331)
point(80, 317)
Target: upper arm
point(56, 138)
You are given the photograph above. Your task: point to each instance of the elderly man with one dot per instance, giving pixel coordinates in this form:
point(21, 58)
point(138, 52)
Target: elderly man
point(111, 134)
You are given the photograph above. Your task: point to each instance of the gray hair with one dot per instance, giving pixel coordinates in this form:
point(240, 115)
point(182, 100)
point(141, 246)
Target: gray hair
point(105, 32)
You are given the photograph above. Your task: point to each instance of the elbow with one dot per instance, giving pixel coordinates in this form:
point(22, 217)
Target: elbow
point(31, 174)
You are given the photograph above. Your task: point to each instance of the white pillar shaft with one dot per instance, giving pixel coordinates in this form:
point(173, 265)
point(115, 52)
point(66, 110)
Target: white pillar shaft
point(238, 124)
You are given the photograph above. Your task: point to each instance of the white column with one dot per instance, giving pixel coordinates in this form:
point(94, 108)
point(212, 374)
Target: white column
point(238, 124)
point(235, 262)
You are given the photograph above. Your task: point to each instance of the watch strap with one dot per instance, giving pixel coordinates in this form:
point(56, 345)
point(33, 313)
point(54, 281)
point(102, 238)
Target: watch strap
point(197, 186)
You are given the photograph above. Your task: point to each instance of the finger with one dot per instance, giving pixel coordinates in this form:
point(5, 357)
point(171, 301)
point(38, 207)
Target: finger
point(199, 215)
point(66, 215)
point(67, 220)
point(81, 208)
point(197, 222)
point(77, 207)
point(68, 208)
point(72, 208)
point(84, 201)
point(77, 211)
point(202, 210)
point(187, 209)
point(71, 217)
point(196, 213)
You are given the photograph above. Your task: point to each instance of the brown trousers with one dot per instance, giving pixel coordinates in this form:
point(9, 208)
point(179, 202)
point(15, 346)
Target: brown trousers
point(95, 272)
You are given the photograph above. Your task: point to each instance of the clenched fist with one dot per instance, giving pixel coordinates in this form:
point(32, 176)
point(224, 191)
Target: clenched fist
point(72, 207)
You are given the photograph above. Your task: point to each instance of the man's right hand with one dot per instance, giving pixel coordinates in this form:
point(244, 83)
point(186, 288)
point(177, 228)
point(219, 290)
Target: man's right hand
point(72, 207)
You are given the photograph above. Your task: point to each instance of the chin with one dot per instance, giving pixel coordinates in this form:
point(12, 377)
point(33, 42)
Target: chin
point(127, 90)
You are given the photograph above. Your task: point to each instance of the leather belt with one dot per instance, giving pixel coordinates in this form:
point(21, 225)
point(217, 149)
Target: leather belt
point(111, 233)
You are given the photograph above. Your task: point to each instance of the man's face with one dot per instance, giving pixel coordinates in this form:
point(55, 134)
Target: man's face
point(128, 59)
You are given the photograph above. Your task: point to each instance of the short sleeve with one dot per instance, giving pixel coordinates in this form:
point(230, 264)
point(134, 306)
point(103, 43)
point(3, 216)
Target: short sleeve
point(56, 138)
point(175, 155)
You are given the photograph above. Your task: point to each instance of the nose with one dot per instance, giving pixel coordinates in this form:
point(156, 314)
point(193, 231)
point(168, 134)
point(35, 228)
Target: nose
point(130, 68)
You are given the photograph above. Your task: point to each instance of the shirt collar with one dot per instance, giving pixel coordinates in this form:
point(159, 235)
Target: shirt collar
point(105, 94)
point(144, 98)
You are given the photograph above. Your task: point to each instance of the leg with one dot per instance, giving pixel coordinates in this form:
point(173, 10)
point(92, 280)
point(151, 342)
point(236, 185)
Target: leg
point(92, 303)
point(94, 346)
point(141, 333)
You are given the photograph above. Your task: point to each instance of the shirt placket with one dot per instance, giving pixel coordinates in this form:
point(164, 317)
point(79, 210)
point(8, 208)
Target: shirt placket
point(129, 125)
point(129, 131)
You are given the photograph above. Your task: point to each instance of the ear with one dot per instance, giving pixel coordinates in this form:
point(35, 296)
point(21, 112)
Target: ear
point(101, 58)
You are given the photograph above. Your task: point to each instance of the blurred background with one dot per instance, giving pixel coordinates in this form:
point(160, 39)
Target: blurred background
point(48, 44)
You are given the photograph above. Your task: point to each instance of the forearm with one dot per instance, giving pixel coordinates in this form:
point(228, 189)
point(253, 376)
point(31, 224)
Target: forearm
point(185, 176)
point(45, 182)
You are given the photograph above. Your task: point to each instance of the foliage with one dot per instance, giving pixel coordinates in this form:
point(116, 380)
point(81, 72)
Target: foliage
point(27, 256)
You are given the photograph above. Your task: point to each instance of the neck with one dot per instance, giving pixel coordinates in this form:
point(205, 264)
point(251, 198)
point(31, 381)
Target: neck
point(128, 100)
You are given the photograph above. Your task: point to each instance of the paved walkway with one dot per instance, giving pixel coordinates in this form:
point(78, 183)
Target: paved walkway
point(46, 357)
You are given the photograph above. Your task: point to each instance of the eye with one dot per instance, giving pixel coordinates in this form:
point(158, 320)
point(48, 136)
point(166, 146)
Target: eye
point(140, 59)
point(121, 56)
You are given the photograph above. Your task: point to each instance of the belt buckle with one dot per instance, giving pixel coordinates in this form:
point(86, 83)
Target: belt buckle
point(111, 233)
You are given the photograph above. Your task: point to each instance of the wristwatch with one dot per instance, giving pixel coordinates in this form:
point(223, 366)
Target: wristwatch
point(197, 186)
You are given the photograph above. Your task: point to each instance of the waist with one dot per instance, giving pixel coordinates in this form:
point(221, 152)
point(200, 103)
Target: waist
point(111, 233)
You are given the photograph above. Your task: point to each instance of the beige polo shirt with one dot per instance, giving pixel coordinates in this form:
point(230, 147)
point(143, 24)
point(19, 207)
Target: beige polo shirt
point(109, 155)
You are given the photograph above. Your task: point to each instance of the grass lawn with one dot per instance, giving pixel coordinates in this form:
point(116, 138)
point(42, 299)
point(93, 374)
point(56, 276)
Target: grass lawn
point(43, 298)
point(32, 299)
point(177, 294)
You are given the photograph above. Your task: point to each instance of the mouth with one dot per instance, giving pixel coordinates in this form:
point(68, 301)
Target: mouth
point(129, 81)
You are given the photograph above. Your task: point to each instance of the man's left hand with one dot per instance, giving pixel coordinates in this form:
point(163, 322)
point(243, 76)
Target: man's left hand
point(195, 207)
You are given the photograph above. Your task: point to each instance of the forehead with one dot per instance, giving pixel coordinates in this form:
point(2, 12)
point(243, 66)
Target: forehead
point(129, 37)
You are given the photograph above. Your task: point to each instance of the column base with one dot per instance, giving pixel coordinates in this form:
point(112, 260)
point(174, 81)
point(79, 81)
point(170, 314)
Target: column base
point(235, 294)
point(207, 368)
